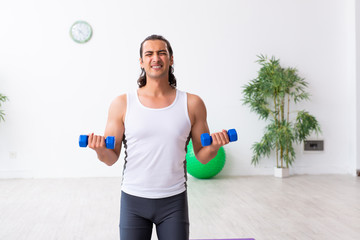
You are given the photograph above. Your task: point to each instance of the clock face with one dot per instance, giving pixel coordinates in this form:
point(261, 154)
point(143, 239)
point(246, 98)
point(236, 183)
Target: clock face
point(81, 32)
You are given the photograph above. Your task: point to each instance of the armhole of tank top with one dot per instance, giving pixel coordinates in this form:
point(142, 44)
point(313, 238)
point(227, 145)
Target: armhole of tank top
point(187, 108)
point(127, 108)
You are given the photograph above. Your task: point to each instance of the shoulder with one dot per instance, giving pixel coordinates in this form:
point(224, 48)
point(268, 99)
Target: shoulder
point(194, 101)
point(119, 101)
point(196, 108)
point(118, 106)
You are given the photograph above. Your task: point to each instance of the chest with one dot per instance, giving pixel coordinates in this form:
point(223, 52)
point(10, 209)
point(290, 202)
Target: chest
point(156, 102)
point(157, 124)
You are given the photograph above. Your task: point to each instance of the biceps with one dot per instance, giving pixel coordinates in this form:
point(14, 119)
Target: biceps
point(115, 128)
point(199, 128)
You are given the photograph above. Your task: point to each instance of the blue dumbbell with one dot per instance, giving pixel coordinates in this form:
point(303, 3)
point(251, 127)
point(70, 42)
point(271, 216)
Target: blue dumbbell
point(109, 141)
point(206, 139)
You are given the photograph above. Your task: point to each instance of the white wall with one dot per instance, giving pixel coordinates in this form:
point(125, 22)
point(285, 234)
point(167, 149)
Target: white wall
point(59, 89)
point(357, 79)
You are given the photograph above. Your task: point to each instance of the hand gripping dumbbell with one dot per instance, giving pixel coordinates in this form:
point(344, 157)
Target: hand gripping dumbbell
point(206, 139)
point(109, 141)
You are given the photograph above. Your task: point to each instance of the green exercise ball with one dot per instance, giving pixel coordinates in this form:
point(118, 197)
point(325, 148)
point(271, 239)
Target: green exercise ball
point(204, 171)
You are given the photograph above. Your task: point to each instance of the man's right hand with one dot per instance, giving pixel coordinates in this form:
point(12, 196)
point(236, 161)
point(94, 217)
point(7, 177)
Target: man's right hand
point(96, 142)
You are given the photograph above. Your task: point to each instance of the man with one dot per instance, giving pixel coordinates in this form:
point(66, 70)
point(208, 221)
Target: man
point(155, 124)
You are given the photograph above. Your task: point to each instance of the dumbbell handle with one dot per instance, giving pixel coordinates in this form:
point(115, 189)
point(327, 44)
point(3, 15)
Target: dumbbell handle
point(206, 139)
point(109, 141)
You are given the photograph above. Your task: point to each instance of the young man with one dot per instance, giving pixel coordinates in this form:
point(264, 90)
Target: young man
point(155, 124)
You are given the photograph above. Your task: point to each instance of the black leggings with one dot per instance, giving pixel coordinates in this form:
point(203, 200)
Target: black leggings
point(170, 215)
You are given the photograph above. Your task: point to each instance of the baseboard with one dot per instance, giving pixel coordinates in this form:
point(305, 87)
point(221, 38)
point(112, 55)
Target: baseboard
point(16, 174)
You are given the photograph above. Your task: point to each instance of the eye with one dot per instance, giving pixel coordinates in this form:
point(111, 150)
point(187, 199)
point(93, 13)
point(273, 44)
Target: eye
point(148, 53)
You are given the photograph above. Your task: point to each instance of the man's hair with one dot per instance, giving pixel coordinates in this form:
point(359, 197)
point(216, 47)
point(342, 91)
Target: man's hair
point(142, 79)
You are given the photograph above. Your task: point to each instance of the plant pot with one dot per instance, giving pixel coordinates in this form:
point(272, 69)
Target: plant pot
point(281, 172)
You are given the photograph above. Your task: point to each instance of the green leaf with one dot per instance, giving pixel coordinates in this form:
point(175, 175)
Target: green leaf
point(305, 124)
point(267, 95)
point(2, 99)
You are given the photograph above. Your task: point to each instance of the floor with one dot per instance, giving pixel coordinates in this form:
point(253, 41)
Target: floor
point(262, 207)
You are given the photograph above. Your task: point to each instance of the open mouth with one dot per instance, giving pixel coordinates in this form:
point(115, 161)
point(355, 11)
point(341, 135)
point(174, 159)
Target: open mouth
point(156, 66)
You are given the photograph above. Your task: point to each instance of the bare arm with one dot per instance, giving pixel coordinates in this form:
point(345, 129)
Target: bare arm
point(114, 127)
point(197, 114)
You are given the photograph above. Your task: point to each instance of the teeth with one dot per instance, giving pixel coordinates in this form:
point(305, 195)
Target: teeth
point(156, 66)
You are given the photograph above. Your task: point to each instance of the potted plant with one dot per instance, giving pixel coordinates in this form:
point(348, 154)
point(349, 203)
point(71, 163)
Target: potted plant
point(2, 99)
point(270, 95)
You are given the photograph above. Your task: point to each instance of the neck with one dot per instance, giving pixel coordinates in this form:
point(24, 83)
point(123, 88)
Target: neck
point(157, 87)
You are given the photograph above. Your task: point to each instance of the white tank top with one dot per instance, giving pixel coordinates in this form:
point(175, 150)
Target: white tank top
point(155, 147)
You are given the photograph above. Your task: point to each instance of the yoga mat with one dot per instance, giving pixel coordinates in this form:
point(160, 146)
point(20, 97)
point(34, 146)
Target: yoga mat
point(227, 239)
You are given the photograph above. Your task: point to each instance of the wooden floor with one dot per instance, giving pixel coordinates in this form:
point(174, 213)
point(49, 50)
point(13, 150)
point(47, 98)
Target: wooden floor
point(262, 207)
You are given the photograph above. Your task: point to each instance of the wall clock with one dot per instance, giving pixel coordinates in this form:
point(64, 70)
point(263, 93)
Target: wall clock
point(81, 32)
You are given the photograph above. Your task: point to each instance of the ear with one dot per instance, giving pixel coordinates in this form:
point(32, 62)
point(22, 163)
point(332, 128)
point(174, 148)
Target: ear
point(141, 63)
point(171, 60)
